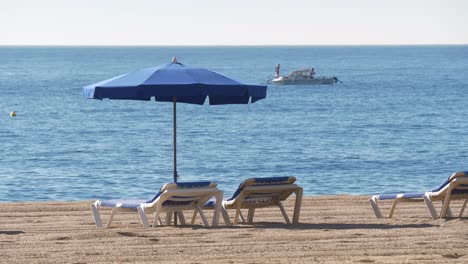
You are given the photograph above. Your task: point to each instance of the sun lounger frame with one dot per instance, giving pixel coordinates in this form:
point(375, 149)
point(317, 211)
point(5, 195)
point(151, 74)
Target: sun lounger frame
point(443, 194)
point(266, 192)
point(190, 199)
point(245, 201)
point(203, 194)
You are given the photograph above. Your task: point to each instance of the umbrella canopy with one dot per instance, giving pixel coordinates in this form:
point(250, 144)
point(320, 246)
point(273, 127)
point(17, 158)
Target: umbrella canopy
point(175, 82)
point(188, 84)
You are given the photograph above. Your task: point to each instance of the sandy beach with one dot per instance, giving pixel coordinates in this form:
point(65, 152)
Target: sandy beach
point(332, 229)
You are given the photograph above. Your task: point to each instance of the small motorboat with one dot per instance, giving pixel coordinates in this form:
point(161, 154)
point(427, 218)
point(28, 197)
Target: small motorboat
point(303, 77)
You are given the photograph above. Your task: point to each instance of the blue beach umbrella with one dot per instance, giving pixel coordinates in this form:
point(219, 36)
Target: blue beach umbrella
point(176, 83)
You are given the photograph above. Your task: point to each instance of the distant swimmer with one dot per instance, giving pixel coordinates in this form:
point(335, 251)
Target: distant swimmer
point(277, 70)
point(13, 114)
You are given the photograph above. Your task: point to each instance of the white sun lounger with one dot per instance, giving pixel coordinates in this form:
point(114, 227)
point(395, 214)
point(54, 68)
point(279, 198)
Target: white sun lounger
point(172, 197)
point(259, 193)
point(456, 189)
point(411, 198)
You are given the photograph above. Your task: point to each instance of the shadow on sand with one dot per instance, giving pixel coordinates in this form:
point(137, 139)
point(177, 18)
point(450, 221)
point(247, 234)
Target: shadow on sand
point(337, 226)
point(11, 232)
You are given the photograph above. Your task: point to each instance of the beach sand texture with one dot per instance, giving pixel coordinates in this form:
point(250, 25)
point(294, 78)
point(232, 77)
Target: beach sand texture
point(332, 229)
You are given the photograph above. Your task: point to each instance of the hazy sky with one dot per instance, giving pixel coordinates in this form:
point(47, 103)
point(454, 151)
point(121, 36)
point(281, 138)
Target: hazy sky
point(232, 22)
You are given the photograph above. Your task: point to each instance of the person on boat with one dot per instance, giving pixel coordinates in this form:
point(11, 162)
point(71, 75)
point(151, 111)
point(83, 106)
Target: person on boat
point(312, 73)
point(277, 70)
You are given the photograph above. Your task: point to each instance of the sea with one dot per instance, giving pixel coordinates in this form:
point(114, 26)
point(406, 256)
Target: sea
point(397, 122)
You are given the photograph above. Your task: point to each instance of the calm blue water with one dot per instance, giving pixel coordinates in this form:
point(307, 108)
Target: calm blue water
point(398, 123)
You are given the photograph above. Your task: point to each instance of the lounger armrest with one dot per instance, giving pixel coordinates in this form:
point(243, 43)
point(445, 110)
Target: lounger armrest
point(453, 184)
point(268, 188)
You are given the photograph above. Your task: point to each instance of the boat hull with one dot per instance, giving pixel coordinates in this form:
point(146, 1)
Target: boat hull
point(314, 81)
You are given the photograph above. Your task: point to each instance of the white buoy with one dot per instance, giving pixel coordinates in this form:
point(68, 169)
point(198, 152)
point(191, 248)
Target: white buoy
point(13, 114)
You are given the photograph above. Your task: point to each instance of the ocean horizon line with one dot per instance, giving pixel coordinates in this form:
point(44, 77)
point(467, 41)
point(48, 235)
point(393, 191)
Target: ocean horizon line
point(236, 45)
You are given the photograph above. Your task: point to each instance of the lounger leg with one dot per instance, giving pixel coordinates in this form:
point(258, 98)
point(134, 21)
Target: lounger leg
point(218, 206)
point(250, 215)
point(463, 208)
point(236, 217)
point(446, 204)
point(449, 212)
point(241, 216)
point(238, 212)
point(297, 206)
point(202, 215)
point(156, 214)
point(194, 216)
point(227, 221)
point(280, 205)
point(111, 217)
point(430, 206)
point(144, 220)
point(375, 206)
point(97, 216)
point(392, 210)
point(181, 216)
point(169, 214)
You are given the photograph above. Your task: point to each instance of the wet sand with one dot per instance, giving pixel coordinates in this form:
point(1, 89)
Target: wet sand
point(332, 229)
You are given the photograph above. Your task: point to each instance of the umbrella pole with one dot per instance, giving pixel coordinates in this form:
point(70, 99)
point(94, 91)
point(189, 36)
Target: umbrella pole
point(175, 137)
point(174, 122)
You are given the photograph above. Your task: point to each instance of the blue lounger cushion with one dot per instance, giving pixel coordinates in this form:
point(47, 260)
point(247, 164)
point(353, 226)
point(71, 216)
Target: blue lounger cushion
point(257, 182)
point(262, 181)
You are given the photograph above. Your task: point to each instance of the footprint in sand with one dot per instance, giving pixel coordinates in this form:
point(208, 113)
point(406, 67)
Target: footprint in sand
point(452, 256)
point(63, 238)
point(130, 234)
point(366, 260)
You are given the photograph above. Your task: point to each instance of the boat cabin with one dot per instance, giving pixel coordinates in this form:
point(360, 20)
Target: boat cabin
point(302, 74)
